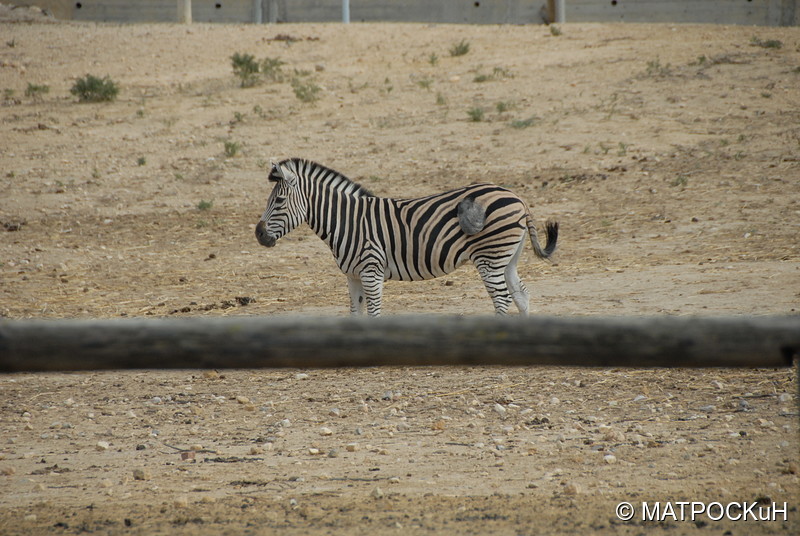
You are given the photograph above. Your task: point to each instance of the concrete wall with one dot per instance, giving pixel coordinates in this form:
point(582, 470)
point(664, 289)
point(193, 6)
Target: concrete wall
point(753, 12)
point(757, 12)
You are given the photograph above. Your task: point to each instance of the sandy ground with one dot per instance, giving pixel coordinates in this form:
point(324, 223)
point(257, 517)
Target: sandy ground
point(670, 155)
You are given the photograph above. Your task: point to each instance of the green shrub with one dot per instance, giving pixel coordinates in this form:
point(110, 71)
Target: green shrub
point(36, 91)
point(93, 89)
point(476, 114)
point(460, 48)
point(246, 68)
point(305, 90)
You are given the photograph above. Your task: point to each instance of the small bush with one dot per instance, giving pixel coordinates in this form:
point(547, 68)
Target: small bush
point(93, 89)
point(524, 123)
point(205, 205)
point(271, 69)
point(769, 43)
point(246, 68)
point(476, 114)
point(36, 91)
point(305, 90)
point(460, 48)
point(232, 148)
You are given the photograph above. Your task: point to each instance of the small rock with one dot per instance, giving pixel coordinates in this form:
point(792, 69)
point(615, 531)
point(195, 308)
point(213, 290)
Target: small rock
point(555, 401)
point(242, 400)
point(314, 451)
point(784, 397)
point(325, 431)
point(335, 412)
point(333, 453)
point(377, 493)
point(351, 447)
point(718, 384)
point(142, 474)
point(610, 458)
point(181, 502)
point(285, 423)
point(394, 480)
point(572, 488)
point(102, 445)
point(254, 451)
point(301, 376)
point(500, 410)
point(7, 471)
point(188, 455)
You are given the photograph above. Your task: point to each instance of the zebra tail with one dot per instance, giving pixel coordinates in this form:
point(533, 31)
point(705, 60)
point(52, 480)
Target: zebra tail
point(551, 228)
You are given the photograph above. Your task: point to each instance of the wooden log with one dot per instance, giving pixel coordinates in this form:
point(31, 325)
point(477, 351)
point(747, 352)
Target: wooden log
point(254, 342)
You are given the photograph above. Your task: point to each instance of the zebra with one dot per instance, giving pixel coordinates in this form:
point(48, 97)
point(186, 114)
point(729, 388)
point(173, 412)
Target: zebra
point(374, 239)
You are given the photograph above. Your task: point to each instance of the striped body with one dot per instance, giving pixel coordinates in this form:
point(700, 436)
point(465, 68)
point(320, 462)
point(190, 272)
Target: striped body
point(375, 239)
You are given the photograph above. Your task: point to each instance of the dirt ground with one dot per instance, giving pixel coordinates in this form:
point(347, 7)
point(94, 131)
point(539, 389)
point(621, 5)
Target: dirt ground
point(670, 154)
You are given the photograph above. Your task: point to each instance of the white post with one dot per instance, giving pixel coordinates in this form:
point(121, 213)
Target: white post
point(346, 11)
point(185, 11)
point(258, 15)
point(560, 11)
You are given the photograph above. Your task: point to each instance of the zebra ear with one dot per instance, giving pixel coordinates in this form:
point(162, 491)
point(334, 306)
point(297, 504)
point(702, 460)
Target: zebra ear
point(286, 174)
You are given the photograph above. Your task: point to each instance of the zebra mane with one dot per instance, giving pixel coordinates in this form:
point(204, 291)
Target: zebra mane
point(332, 178)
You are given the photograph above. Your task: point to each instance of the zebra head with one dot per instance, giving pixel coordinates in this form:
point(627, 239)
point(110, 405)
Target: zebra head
point(286, 206)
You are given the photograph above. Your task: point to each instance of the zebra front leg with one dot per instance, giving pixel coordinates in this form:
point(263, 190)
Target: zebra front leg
point(356, 295)
point(372, 284)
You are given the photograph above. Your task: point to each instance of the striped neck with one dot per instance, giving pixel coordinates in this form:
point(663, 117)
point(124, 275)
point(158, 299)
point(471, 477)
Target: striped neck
point(316, 177)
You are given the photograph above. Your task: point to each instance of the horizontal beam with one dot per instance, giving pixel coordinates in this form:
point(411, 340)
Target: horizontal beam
point(273, 342)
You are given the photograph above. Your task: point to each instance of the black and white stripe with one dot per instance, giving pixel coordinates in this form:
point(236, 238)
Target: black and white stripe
point(374, 239)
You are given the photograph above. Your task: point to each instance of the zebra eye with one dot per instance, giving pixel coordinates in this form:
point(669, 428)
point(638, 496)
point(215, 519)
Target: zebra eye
point(279, 200)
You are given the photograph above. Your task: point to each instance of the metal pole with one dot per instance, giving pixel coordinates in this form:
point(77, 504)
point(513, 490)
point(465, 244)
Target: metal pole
point(185, 11)
point(346, 11)
point(560, 15)
point(258, 14)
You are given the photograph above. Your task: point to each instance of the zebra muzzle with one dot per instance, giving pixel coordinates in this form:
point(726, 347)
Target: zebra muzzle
point(265, 238)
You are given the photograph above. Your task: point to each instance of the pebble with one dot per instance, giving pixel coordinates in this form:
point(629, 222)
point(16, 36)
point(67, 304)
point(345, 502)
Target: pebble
point(500, 410)
point(610, 458)
point(335, 412)
point(301, 376)
point(181, 502)
point(333, 453)
point(377, 493)
point(325, 431)
point(352, 447)
point(572, 488)
point(242, 399)
point(142, 474)
point(784, 397)
point(102, 445)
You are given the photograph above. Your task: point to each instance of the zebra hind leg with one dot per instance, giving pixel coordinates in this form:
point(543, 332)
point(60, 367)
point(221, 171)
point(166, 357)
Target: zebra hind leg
point(495, 282)
point(519, 293)
point(356, 295)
